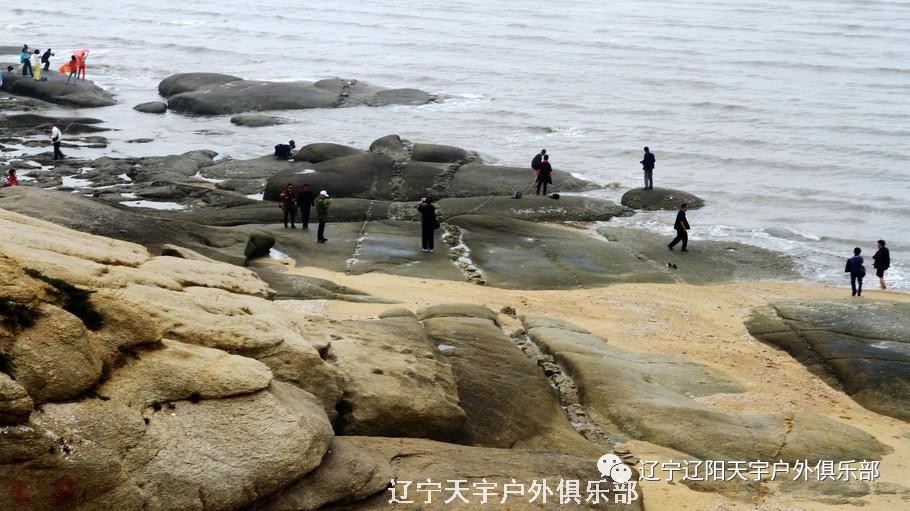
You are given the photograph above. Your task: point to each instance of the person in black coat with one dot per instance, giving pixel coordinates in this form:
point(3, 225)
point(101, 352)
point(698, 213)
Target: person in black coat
point(647, 164)
point(857, 271)
point(544, 174)
point(288, 206)
point(535, 163)
point(305, 200)
point(428, 223)
point(681, 225)
point(881, 262)
point(283, 151)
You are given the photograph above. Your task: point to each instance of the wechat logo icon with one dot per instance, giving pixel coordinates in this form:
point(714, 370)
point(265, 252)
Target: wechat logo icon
point(609, 465)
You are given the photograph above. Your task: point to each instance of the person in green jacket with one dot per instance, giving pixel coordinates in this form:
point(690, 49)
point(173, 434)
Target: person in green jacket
point(322, 204)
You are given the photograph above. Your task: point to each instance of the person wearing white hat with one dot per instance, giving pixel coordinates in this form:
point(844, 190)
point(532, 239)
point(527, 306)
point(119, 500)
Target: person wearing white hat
point(322, 204)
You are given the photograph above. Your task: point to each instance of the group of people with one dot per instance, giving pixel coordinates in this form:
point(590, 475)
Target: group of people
point(543, 171)
point(34, 61)
point(856, 267)
point(290, 201)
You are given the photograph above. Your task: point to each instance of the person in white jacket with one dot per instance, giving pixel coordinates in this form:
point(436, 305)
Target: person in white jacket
point(56, 138)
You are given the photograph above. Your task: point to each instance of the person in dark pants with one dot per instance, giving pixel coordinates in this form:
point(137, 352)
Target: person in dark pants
point(857, 272)
point(544, 174)
point(287, 205)
point(322, 204)
point(25, 58)
point(428, 223)
point(647, 164)
point(283, 151)
point(881, 262)
point(681, 226)
point(305, 200)
point(46, 59)
point(56, 138)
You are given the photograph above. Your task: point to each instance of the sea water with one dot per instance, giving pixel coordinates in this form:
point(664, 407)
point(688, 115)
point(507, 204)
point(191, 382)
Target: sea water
point(790, 118)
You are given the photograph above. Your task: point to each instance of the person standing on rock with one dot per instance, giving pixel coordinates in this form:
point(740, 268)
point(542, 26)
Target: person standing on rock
point(544, 174)
point(25, 58)
point(46, 59)
point(647, 165)
point(428, 223)
point(287, 205)
point(70, 67)
point(857, 271)
point(36, 65)
point(305, 200)
point(682, 226)
point(535, 163)
point(322, 204)
point(881, 262)
point(56, 138)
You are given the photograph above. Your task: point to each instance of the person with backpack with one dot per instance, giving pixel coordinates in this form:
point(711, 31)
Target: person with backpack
point(544, 174)
point(322, 204)
point(535, 163)
point(287, 205)
point(283, 151)
point(647, 165)
point(857, 271)
point(305, 200)
point(428, 223)
point(881, 262)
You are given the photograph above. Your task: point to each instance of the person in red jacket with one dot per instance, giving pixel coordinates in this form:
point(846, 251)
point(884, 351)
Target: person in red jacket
point(11, 179)
point(544, 174)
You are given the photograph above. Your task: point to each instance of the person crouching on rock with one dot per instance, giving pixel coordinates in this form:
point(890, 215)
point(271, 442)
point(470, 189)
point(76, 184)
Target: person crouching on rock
point(428, 223)
point(287, 204)
point(322, 204)
point(544, 174)
point(283, 151)
point(11, 179)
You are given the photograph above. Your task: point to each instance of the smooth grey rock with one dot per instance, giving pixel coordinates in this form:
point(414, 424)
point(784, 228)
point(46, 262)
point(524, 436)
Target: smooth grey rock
point(81, 93)
point(152, 107)
point(257, 120)
point(186, 82)
point(258, 245)
point(320, 152)
point(659, 198)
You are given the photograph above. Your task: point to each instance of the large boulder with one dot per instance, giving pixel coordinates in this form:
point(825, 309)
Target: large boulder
point(507, 398)
point(320, 152)
point(659, 199)
point(81, 93)
point(652, 397)
point(151, 107)
point(214, 94)
point(395, 385)
point(441, 153)
point(861, 348)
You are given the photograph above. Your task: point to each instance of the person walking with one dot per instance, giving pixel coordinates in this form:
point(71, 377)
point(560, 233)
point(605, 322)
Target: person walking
point(287, 205)
point(857, 271)
point(322, 204)
point(11, 179)
point(682, 226)
point(647, 165)
point(46, 59)
point(544, 174)
point(535, 163)
point(56, 138)
point(305, 200)
point(36, 65)
point(25, 58)
point(428, 223)
point(881, 262)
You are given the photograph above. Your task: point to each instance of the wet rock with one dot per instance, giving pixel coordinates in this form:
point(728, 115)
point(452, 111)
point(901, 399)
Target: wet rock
point(534, 208)
point(860, 348)
point(318, 153)
point(214, 94)
point(81, 93)
point(659, 198)
point(441, 153)
point(152, 107)
point(257, 120)
point(258, 245)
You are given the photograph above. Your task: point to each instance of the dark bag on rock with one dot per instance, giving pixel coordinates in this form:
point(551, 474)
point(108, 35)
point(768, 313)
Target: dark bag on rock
point(555, 196)
point(516, 195)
